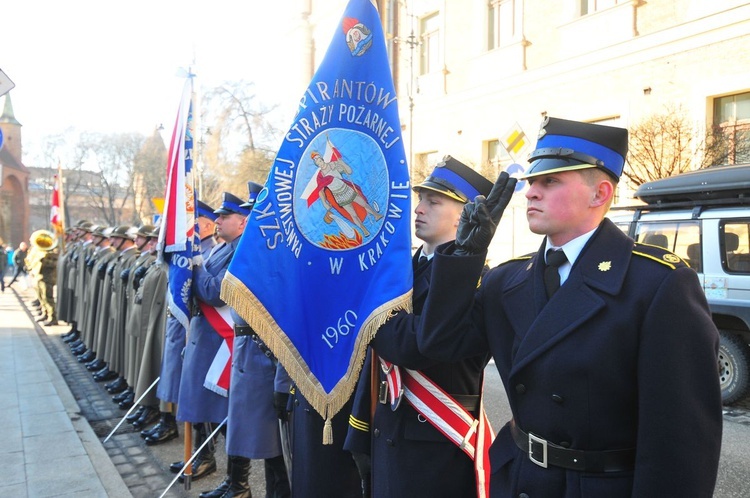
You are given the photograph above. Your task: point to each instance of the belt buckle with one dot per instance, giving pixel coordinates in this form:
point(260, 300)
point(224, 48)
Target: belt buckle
point(543, 442)
point(383, 393)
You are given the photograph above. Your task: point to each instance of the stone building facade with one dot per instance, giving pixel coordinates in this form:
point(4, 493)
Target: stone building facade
point(14, 189)
point(472, 75)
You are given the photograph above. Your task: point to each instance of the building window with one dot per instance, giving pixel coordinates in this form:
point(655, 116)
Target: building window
point(429, 43)
point(591, 6)
point(732, 119)
point(503, 23)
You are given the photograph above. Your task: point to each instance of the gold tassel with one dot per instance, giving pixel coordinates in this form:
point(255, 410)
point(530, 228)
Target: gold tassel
point(328, 432)
point(238, 296)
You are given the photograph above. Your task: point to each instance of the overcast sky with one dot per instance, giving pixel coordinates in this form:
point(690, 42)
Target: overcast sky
point(94, 65)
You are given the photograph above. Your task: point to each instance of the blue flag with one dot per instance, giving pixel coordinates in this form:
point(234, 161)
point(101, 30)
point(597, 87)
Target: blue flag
point(326, 253)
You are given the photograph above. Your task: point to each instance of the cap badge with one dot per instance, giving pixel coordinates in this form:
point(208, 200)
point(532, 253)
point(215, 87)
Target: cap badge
point(605, 266)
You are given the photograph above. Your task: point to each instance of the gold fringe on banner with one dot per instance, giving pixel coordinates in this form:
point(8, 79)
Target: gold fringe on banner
point(247, 305)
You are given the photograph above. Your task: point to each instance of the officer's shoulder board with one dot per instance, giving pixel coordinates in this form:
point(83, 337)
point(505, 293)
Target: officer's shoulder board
point(659, 255)
point(518, 259)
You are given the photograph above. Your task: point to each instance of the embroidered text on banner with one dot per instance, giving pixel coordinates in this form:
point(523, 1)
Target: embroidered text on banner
point(326, 253)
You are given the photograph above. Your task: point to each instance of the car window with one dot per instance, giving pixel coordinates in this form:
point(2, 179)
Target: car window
point(736, 250)
point(682, 237)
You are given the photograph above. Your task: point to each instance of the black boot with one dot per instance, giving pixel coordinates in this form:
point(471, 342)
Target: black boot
point(87, 357)
point(205, 463)
point(71, 336)
point(116, 386)
point(151, 430)
point(239, 487)
point(104, 375)
point(122, 395)
point(135, 414)
point(277, 478)
point(165, 430)
point(95, 365)
point(221, 488)
point(80, 352)
point(148, 417)
point(126, 403)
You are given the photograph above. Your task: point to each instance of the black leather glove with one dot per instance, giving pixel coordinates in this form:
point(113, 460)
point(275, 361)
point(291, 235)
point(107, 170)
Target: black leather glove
point(110, 271)
point(363, 462)
point(101, 270)
point(479, 219)
point(140, 272)
point(124, 274)
point(280, 401)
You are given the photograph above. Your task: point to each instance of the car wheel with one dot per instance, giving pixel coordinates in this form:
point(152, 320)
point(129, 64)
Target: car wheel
point(734, 367)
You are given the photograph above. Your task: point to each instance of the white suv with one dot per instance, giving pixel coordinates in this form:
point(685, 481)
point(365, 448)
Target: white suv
point(704, 217)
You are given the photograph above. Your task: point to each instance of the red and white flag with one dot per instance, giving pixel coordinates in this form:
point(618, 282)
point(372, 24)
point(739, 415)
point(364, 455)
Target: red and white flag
point(179, 205)
point(55, 217)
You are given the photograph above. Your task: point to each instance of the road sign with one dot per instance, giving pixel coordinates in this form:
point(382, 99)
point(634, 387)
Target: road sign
point(516, 170)
point(515, 142)
point(6, 84)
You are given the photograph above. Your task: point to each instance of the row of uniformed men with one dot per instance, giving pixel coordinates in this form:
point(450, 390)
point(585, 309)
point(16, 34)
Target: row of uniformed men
point(545, 340)
point(115, 297)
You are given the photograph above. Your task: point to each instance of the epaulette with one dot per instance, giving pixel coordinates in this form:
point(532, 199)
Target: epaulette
point(659, 254)
point(525, 257)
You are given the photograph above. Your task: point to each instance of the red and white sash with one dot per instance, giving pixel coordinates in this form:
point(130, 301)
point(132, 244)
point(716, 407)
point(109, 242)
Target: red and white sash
point(217, 377)
point(472, 435)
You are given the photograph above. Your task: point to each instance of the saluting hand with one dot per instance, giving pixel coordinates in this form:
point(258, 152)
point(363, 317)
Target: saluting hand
point(479, 219)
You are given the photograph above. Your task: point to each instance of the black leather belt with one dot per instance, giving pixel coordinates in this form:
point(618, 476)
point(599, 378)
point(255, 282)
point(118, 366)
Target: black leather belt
point(243, 330)
point(469, 401)
point(544, 453)
point(240, 330)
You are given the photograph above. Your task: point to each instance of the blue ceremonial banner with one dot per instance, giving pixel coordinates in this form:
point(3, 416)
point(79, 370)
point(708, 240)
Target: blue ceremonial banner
point(179, 242)
point(326, 253)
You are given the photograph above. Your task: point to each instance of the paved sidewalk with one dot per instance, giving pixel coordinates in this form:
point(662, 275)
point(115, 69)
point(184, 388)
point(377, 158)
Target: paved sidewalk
point(48, 449)
point(139, 471)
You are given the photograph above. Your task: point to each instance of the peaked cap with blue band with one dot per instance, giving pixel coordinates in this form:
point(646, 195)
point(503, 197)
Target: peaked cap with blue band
point(453, 178)
point(565, 145)
point(231, 204)
point(206, 211)
point(253, 189)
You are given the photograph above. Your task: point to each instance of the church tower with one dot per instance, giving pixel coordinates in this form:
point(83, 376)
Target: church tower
point(14, 180)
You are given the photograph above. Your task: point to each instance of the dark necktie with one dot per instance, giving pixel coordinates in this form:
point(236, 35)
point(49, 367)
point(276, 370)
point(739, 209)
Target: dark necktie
point(422, 261)
point(555, 259)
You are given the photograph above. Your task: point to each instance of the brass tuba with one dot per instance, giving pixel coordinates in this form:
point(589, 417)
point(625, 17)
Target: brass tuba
point(43, 240)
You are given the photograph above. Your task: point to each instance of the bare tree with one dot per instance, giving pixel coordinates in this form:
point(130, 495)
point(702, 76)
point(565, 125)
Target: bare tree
point(112, 158)
point(150, 169)
point(667, 144)
point(239, 141)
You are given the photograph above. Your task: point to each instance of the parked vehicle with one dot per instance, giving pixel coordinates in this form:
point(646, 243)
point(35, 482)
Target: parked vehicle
point(704, 217)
